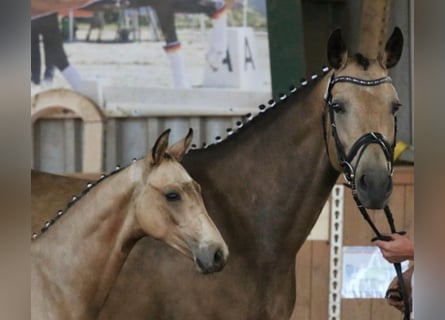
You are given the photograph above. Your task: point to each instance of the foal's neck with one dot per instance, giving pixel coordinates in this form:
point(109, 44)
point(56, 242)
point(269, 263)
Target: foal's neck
point(82, 253)
point(277, 174)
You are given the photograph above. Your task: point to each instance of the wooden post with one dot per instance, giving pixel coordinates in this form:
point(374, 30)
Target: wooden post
point(373, 26)
point(286, 51)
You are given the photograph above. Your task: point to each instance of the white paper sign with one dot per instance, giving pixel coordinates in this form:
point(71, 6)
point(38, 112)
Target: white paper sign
point(366, 274)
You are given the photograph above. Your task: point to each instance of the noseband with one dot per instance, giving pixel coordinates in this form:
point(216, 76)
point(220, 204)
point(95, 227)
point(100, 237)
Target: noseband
point(359, 146)
point(345, 160)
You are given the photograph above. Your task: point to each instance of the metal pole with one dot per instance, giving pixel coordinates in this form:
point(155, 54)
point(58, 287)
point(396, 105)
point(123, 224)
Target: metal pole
point(71, 26)
point(336, 252)
point(245, 13)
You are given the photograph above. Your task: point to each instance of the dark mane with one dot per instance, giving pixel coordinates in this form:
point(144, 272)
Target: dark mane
point(266, 112)
point(362, 60)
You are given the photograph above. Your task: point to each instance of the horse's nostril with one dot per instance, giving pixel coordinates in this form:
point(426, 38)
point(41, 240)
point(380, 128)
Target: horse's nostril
point(389, 184)
point(363, 181)
point(218, 257)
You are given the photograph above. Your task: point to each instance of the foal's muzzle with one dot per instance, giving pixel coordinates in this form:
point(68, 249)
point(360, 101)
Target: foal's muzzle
point(210, 259)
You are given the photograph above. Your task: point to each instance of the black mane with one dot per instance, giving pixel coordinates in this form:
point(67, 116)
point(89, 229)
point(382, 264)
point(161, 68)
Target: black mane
point(266, 111)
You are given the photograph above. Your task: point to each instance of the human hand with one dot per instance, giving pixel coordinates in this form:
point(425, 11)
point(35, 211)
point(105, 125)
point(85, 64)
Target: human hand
point(399, 249)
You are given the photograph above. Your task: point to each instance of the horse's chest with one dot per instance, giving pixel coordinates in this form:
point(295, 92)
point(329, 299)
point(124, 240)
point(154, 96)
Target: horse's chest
point(239, 298)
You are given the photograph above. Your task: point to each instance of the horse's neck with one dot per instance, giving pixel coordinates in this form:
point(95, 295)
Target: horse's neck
point(269, 182)
point(82, 253)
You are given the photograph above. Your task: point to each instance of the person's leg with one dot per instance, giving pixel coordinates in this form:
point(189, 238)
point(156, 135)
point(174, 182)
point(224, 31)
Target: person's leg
point(165, 12)
point(55, 52)
point(35, 53)
point(48, 75)
point(218, 35)
point(208, 7)
point(180, 80)
point(217, 11)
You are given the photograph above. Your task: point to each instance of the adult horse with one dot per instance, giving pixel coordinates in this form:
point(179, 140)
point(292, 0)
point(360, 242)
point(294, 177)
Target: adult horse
point(76, 260)
point(265, 185)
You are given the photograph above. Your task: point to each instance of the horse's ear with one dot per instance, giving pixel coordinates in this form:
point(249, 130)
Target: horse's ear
point(393, 49)
point(178, 149)
point(160, 147)
point(337, 51)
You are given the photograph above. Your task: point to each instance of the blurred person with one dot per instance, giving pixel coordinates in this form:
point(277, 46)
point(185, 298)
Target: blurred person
point(55, 55)
point(166, 9)
point(399, 249)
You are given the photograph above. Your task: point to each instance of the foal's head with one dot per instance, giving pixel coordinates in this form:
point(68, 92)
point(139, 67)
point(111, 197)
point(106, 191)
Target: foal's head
point(361, 106)
point(169, 207)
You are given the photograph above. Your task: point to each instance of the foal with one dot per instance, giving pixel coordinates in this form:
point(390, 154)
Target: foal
point(75, 263)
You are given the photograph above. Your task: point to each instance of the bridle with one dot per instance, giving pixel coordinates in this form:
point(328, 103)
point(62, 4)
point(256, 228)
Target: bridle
point(345, 160)
point(357, 149)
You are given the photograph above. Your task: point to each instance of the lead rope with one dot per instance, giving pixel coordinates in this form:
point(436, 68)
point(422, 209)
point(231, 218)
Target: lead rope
point(379, 236)
point(398, 266)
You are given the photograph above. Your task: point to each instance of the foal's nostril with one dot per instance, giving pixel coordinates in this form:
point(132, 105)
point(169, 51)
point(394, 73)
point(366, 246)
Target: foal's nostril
point(218, 258)
point(200, 264)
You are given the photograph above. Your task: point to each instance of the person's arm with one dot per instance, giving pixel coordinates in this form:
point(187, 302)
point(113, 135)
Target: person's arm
point(399, 249)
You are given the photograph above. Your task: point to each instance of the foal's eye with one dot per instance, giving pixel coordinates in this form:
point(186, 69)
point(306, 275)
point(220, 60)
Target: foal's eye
point(337, 107)
point(395, 107)
point(172, 196)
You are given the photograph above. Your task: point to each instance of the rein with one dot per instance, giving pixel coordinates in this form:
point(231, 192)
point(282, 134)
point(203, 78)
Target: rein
point(345, 161)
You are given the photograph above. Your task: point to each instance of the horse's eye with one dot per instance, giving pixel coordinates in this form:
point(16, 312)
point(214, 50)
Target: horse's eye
point(172, 196)
point(338, 107)
point(395, 107)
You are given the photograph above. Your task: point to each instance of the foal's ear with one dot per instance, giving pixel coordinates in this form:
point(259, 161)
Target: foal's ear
point(337, 51)
point(178, 149)
point(160, 147)
point(393, 49)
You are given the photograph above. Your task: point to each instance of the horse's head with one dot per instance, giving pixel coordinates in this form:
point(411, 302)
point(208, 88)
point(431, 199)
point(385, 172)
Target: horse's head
point(361, 123)
point(169, 207)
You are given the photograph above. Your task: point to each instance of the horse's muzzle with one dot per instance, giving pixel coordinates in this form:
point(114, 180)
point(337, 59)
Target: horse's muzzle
point(374, 188)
